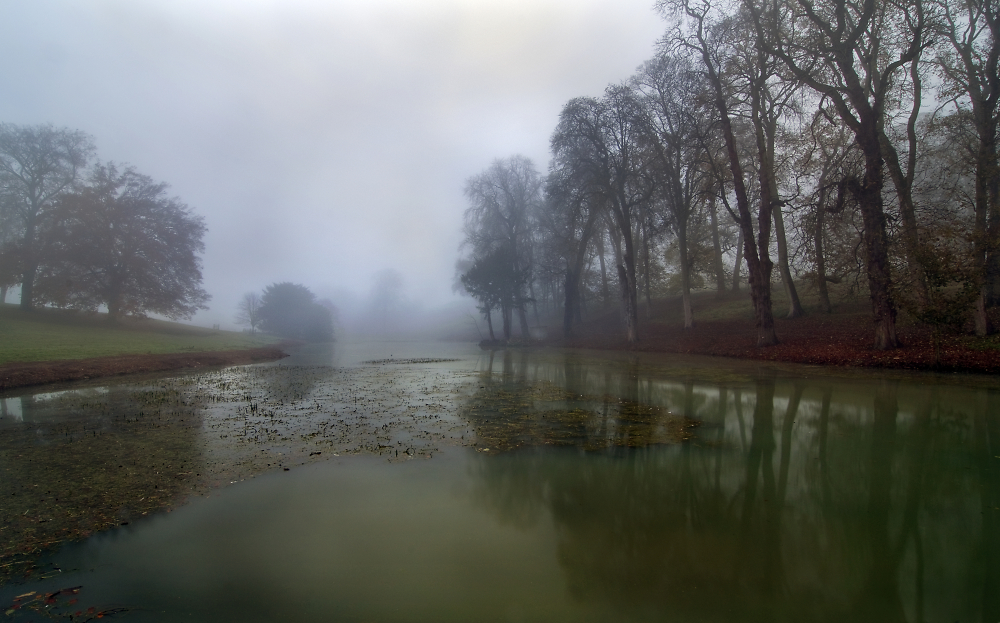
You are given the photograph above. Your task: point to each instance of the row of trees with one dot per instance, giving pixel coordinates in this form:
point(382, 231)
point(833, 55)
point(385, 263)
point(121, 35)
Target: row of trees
point(83, 234)
point(788, 134)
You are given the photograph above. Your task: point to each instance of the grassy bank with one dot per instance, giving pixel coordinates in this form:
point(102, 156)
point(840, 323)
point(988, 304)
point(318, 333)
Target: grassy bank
point(53, 334)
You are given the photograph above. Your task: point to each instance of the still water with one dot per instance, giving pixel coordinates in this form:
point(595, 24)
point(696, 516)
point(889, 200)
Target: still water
point(556, 486)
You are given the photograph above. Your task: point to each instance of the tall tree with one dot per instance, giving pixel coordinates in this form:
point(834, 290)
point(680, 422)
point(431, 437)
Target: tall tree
point(38, 164)
point(850, 53)
point(670, 86)
point(710, 38)
point(568, 220)
point(502, 202)
point(600, 138)
point(969, 61)
point(122, 242)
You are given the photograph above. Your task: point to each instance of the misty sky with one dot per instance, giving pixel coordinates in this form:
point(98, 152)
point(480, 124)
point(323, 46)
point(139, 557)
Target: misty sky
point(322, 141)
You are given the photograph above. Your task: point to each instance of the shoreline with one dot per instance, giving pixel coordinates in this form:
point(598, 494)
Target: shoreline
point(836, 341)
point(16, 375)
point(830, 340)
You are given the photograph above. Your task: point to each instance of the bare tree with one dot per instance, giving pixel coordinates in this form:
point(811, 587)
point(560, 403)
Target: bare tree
point(708, 39)
point(37, 165)
point(502, 202)
point(670, 86)
point(600, 138)
point(825, 155)
point(568, 220)
point(969, 62)
point(248, 311)
point(850, 53)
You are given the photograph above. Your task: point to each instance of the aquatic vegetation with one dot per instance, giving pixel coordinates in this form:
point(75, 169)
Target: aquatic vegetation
point(508, 415)
point(408, 361)
point(81, 461)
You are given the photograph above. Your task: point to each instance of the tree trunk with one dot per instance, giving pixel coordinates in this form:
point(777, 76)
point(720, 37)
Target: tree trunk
point(29, 268)
point(505, 313)
point(574, 273)
point(720, 274)
point(27, 288)
point(625, 264)
point(645, 262)
point(489, 323)
point(685, 275)
point(982, 321)
point(738, 265)
point(605, 291)
point(903, 182)
point(794, 305)
point(629, 284)
point(985, 230)
point(869, 196)
point(629, 305)
point(522, 316)
point(985, 163)
point(759, 265)
point(824, 296)
point(534, 300)
point(571, 294)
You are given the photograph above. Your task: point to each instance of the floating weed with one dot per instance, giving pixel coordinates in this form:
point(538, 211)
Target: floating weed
point(83, 461)
point(511, 414)
point(407, 361)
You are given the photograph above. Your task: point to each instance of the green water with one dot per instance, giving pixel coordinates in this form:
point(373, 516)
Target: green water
point(569, 486)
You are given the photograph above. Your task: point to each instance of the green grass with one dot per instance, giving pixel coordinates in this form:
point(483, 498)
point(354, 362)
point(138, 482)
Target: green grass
point(49, 334)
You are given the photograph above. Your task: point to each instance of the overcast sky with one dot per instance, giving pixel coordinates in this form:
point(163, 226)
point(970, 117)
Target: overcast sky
point(322, 141)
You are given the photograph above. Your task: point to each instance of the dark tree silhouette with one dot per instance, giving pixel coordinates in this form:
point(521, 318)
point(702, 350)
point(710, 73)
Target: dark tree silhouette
point(496, 281)
point(291, 310)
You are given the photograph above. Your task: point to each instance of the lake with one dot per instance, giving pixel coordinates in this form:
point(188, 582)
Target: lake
point(437, 482)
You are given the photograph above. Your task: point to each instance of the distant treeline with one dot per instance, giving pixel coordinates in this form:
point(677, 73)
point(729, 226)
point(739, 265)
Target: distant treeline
point(834, 141)
point(82, 234)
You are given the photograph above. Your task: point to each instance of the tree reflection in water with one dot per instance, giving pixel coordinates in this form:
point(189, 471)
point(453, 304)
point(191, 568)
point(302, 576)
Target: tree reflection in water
point(861, 501)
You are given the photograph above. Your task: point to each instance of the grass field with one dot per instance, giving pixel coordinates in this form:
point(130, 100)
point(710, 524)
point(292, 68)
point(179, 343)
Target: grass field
point(50, 334)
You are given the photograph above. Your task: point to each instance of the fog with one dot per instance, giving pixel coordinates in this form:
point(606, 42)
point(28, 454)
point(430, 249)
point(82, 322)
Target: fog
point(323, 142)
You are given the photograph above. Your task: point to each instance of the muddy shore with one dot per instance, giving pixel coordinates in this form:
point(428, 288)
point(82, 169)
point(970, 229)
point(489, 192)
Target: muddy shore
point(27, 374)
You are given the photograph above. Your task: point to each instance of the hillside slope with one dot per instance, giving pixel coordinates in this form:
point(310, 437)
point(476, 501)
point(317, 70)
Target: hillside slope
point(725, 327)
point(50, 345)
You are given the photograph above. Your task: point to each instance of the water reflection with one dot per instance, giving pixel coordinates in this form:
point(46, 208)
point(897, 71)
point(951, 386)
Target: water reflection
point(796, 500)
point(617, 487)
point(66, 476)
point(528, 399)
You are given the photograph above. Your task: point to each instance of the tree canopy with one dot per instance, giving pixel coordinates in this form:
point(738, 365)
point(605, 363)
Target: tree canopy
point(291, 310)
point(122, 242)
point(38, 165)
point(854, 142)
